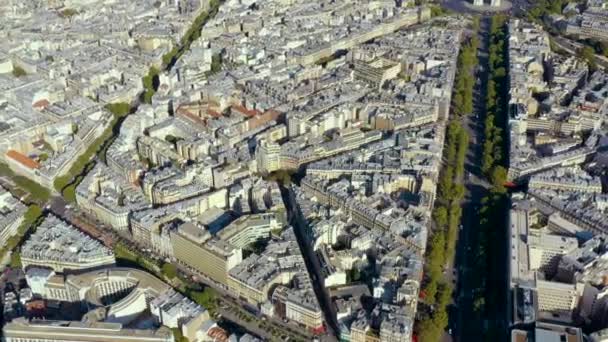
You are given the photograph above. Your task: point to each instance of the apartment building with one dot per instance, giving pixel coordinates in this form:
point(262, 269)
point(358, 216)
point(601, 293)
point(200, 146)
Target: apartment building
point(198, 250)
point(74, 331)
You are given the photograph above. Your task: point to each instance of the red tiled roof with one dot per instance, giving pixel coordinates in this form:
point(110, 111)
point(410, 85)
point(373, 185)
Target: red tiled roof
point(23, 159)
point(218, 334)
point(193, 117)
point(214, 113)
point(245, 111)
point(41, 104)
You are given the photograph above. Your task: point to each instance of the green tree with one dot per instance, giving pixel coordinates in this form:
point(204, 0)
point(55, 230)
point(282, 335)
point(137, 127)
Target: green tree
point(440, 319)
point(69, 193)
point(430, 292)
point(18, 71)
point(216, 64)
point(206, 298)
point(479, 304)
point(150, 83)
point(440, 215)
point(178, 336)
point(170, 56)
point(428, 331)
point(68, 12)
point(437, 11)
point(119, 109)
point(458, 191)
point(588, 54)
point(499, 178)
point(445, 184)
point(444, 294)
point(16, 259)
point(603, 47)
point(169, 270)
point(500, 72)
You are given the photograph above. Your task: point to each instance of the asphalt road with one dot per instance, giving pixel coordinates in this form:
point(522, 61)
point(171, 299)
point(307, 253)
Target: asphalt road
point(460, 321)
point(59, 207)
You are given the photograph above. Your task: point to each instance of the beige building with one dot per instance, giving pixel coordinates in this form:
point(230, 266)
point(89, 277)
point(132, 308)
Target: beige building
point(360, 331)
point(545, 250)
point(556, 301)
point(11, 215)
point(267, 156)
point(297, 308)
point(198, 250)
point(249, 228)
point(256, 294)
point(21, 330)
point(61, 247)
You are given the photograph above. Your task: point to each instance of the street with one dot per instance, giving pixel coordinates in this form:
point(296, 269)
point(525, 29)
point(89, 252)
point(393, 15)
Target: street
point(573, 48)
point(312, 263)
point(231, 309)
point(477, 188)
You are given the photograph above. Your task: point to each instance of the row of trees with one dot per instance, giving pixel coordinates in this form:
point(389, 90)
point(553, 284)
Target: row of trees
point(437, 291)
point(32, 218)
point(167, 271)
point(37, 192)
point(543, 8)
point(462, 101)
point(150, 80)
point(490, 258)
point(488, 295)
point(587, 53)
point(19, 71)
point(495, 151)
point(66, 184)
